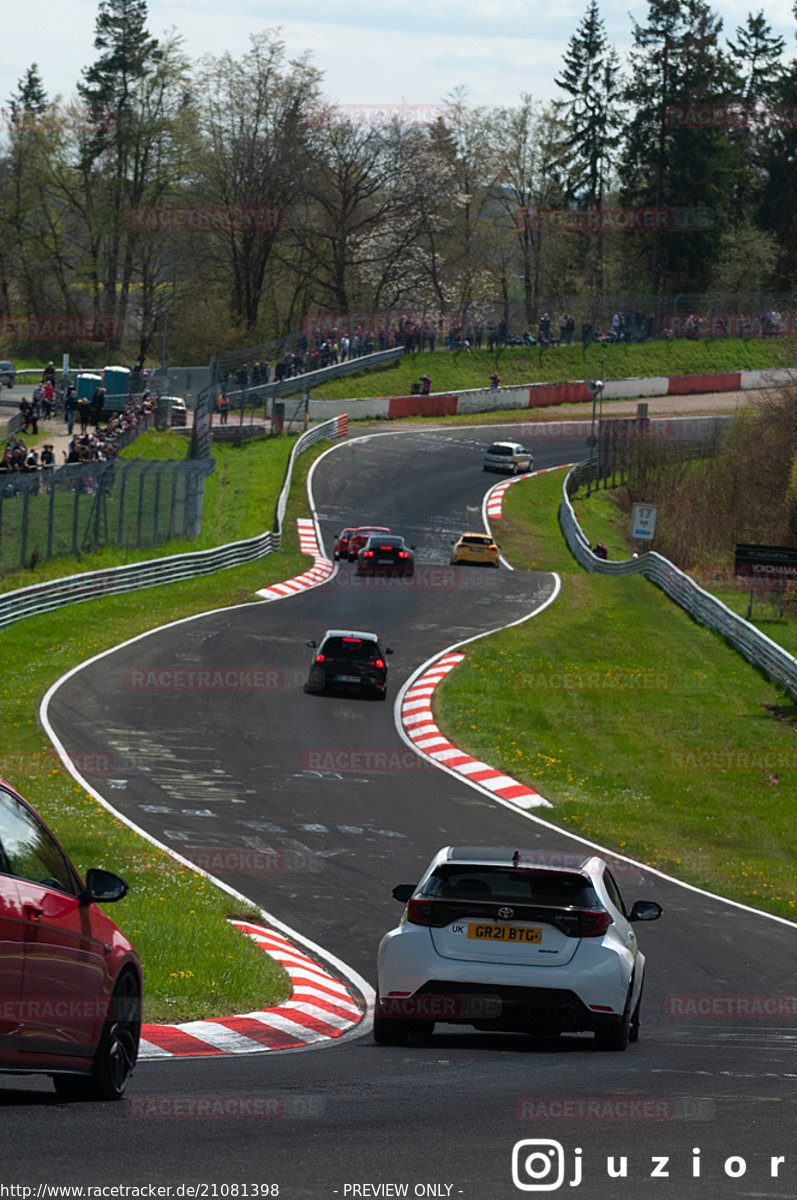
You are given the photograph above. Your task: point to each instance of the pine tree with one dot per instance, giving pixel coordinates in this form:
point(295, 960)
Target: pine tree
point(677, 61)
point(592, 118)
point(759, 59)
point(110, 153)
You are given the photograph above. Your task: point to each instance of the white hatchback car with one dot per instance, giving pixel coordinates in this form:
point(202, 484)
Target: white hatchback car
point(507, 456)
point(513, 940)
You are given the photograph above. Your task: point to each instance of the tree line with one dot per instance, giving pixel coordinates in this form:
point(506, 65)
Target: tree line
point(228, 198)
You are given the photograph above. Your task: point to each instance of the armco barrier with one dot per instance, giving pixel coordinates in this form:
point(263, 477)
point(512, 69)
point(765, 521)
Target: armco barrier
point(543, 395)
point(43, 597)
point(756, 647)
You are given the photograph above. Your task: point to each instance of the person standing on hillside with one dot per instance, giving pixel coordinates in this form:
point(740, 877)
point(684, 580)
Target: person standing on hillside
point(70, 409)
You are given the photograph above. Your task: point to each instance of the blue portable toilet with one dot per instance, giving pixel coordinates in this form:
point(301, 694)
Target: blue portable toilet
point(87, 385)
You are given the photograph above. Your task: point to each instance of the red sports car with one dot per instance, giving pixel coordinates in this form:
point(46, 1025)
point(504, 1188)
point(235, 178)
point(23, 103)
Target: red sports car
point(360, 536)
point(342, 544)
point(70, 981)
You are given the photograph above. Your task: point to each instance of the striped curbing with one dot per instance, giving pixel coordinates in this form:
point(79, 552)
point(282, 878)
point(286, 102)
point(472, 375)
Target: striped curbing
point(320, 1007)
point(495, 497)
point(419, 726)
point(320, 571)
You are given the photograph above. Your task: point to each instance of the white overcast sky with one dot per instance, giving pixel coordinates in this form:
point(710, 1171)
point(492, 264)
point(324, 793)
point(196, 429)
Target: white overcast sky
point(375, 52)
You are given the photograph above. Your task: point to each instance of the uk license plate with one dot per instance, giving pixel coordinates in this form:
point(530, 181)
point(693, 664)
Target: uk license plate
point(504, 933)
point(348, 678)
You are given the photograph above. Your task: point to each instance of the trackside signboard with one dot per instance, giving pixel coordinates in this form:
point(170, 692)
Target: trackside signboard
point(643, 521)
point(766, 562)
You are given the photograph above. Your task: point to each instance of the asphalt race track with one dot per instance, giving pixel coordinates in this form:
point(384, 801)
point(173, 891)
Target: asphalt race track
point(694, 1110)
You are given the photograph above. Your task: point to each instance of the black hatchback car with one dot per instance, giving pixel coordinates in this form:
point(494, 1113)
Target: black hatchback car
point(349, 658)
point(8, 374)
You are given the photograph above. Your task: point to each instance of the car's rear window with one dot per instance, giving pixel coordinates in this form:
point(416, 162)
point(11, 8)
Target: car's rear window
point(518, 886)
point(349, 648)
point(387, 543)
point(474, 540)
point(496, 448)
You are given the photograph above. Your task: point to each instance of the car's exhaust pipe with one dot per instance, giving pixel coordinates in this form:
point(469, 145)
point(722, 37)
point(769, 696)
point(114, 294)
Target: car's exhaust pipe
point(568, 1017)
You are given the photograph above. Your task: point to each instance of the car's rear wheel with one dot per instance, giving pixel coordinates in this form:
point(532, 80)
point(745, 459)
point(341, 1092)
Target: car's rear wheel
point(633, 1029)
point(389, 1031)
point(117, 1052)
point(317, 680)
point(617, 1035)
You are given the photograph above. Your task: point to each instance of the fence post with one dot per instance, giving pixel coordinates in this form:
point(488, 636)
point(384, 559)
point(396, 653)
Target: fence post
point(23, 536)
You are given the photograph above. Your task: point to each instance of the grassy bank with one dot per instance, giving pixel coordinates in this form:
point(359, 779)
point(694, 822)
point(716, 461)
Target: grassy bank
point(240, 502)
point(604, 521)
point(195, 964)
point(458, 371)
point(645, 730)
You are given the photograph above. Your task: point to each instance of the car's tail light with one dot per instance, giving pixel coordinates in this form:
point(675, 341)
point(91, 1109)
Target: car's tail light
point(368, 554)
point(421, 912)
point(319, 658)
point(404, 554)
point(593, 922)
point(376, 662)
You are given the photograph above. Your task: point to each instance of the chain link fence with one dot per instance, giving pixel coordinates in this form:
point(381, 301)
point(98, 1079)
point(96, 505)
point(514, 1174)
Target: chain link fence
point(81, 507)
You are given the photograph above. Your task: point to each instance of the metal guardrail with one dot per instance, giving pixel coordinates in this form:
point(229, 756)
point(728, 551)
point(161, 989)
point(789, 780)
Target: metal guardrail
point(44, 597)
point(755, 646)
point(258, 392)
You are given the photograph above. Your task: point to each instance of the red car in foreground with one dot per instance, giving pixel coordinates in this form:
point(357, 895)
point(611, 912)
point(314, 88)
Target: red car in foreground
point(70, 981)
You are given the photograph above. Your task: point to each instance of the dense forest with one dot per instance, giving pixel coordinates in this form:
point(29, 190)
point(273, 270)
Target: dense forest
point(228, 198)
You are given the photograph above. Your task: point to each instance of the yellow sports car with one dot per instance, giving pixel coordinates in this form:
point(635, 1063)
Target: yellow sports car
point(475, 548)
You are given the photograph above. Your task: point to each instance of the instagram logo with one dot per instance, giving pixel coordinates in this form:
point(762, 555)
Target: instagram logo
point(538, 1165)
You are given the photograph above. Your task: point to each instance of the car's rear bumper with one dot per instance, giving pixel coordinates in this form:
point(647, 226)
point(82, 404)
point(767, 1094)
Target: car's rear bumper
point(502, 1008)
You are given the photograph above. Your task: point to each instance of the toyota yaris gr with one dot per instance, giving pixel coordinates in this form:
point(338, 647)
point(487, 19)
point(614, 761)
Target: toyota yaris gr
point(70, 981)
point(503, 939)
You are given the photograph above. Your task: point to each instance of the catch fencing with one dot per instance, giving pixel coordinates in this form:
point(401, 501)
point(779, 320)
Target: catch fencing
point(82, 507)
point(756, 647)
point(44, 597)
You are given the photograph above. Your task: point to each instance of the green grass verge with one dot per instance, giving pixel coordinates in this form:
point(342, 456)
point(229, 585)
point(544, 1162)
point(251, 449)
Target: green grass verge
point(240, 501)
point(645, 730)
point(603, 521)
point(195, 964)
point(458, 371)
